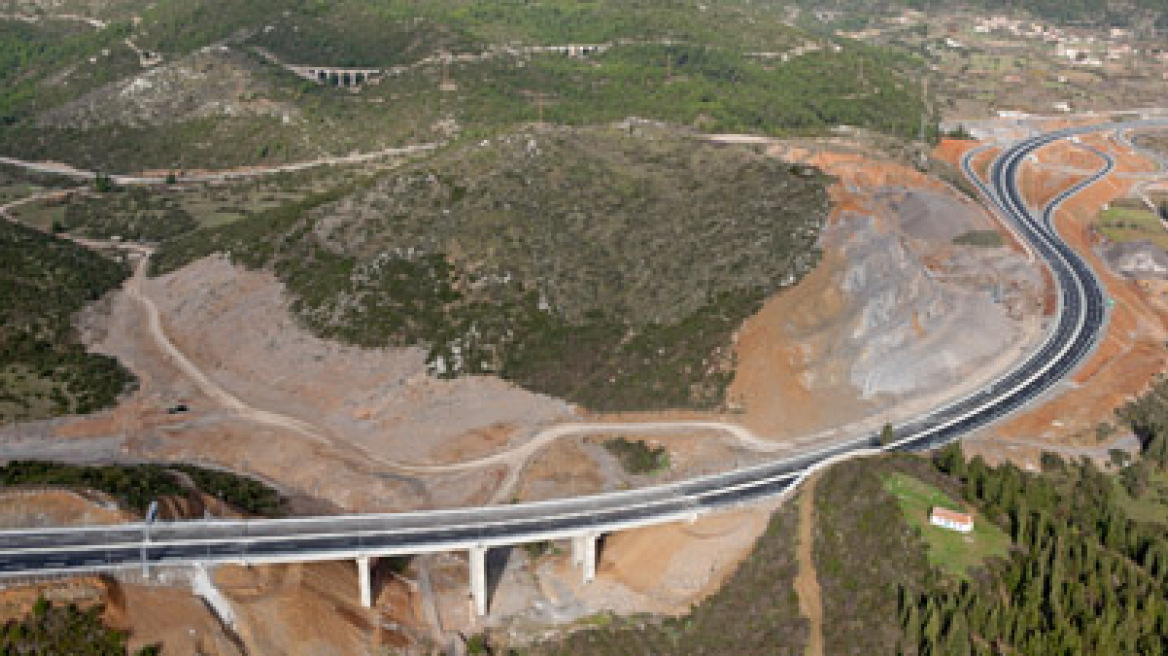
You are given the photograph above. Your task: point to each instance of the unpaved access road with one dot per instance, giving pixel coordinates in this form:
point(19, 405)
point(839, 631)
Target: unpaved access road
point(56, 168)
point(807, 580)
point(514, 459)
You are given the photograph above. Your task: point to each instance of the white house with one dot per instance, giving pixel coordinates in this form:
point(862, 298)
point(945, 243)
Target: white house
point(954, 521)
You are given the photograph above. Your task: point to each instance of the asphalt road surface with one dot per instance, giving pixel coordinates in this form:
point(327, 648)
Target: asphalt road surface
point(1079, 322)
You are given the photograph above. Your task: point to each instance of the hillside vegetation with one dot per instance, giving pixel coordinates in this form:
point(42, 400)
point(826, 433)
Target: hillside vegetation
point(608, 266)
point(1092, 12)
point(220, 96)
point(50, 629)
point(392, 32)
point(136, 486)
point(44, 370)
point(34, 56)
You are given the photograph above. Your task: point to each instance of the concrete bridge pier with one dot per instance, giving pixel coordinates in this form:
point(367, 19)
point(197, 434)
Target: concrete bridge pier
point(478, 579)
point(365, 577)
point(584, 554)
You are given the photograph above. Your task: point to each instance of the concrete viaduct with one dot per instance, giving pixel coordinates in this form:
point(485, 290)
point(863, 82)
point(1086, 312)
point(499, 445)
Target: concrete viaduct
point(1072, 336)
point(584, 552)
point(357, 77)
point(338, 77)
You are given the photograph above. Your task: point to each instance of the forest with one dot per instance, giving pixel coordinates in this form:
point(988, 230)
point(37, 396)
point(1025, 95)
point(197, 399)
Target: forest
point(1084, 576)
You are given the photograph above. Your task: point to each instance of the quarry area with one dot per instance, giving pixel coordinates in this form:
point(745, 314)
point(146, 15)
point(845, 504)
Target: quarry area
point(919, 296)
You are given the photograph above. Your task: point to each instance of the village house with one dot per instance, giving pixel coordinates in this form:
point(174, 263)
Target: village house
point(952, 520)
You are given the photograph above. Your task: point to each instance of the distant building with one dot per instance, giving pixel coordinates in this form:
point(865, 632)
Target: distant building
point(954, 521)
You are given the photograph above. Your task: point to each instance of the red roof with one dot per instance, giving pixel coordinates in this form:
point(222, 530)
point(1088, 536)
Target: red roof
point(952, 516)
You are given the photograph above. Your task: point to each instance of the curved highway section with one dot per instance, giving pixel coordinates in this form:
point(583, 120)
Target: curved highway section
point(1076, 327)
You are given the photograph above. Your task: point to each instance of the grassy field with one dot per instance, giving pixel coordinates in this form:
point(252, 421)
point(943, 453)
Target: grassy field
point(42, 215)
point(949, 551)
point(1123, 224)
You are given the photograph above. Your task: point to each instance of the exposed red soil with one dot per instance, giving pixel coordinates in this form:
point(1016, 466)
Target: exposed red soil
point(314, 608)
point(1132, 351)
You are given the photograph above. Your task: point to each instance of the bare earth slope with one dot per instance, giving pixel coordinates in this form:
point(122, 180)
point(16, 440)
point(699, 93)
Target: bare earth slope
point(896, 315)
point(236, 324)
point(819, 355)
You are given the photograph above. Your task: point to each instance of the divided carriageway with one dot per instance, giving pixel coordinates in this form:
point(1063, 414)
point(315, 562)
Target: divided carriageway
point(1076, 328)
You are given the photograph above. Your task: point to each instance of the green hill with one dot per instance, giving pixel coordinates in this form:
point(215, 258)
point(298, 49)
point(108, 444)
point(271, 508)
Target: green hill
point(560, 258)
point(218, 98)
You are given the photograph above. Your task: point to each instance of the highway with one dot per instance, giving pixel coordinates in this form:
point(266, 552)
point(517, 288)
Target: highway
point(1075, 329)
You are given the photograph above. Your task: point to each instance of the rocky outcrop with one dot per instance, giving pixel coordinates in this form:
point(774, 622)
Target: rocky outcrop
point(909, 328)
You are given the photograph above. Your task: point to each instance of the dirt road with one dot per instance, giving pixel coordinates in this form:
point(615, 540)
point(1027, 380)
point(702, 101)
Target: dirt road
point(66, 170)
point(807, 581)
point(514, 459)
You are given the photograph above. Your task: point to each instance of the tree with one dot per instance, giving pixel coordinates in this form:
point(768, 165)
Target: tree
point(103, 183)
point(1118, 457)
point(887, 435)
